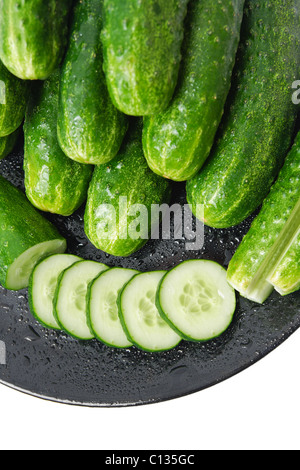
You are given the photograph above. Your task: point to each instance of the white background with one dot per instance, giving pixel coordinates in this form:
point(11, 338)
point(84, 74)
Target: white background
point(259, 409)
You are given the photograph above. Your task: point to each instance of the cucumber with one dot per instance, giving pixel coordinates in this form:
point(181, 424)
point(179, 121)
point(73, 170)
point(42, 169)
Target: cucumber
point(286, 278)
point(196, 300)
point(115, 194)
point(42, 287)
point(70, 299)
point(178, 141)
point(142, 52)
point(140, 318)
point(8, 143)
point(257, 131)
point(271, 234)
point(103, 315)
point(14, 95)
point(33, 36)
point(53, 182)
point(90, 128)
point(26, 237)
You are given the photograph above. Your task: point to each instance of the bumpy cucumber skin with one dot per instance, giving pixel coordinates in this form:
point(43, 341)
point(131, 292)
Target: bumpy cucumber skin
point(14, 95)
point(53, 182)
point(258, 127)
point(33, 35)
point(286, 278)
point(178, 141)
point(142, 42)
point(22, 227)
point(267, 226)
point(90, 128)
point(8, 143)
point(128, 175)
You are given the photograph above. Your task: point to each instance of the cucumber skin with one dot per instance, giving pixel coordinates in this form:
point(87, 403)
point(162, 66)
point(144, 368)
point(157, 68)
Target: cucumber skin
point(257, 130)
point(269, 223)
point(90, 128)
point(286, 278)
point(53, 182)
point(16, 92)
point(128, 175)
point(144, 37)
point(8, 143)
point(22, 227)
point(178, 141)
point(33, 35)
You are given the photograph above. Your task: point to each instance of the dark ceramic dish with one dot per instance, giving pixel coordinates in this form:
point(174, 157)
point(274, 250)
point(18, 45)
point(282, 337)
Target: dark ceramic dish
point(53, 366)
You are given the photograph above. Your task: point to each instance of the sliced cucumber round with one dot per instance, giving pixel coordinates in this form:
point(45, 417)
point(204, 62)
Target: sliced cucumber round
point(196, 300)
point(103, 314)
point(70, 300)
point(19, 272)
point(42, 287)
point(140, 318)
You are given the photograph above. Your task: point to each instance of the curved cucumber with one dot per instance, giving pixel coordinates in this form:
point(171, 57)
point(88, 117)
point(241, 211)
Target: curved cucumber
point(8, 143)
point(178, 141)
point(14, 95)
point(257, 130)
point(142, 52)
point(90, 128)
point(103, 315)
point(25, 238)
point(54, 183)
point(70, 300)
point(33, 36)
point(140, 318)
point(118, 211)
point(196, 300)
point(42, 287)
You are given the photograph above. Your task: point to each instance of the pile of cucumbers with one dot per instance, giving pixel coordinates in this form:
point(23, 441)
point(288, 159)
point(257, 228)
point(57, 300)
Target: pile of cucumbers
point(122, 99)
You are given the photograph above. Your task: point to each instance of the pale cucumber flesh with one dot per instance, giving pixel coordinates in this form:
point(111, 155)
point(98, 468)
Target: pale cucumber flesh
point(71, 298)
point(19, 272)
point(196, 299)
point(140, 317)
point(103, 307)
point(43, 284)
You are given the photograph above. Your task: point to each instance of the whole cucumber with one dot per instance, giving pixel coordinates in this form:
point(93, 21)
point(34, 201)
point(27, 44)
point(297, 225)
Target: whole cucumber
point(7, 143)
point(53, 182)
point(142, 52)
point(115, 195)
point(90, 128)
point(33, 36)
point(178, 141)
point(259, 122)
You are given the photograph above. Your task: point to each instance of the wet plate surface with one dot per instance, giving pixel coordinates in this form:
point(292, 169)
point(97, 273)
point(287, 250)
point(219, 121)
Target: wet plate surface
point(53, 366)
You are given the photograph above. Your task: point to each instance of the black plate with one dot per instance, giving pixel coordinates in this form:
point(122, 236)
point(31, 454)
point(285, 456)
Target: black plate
point(53, 366)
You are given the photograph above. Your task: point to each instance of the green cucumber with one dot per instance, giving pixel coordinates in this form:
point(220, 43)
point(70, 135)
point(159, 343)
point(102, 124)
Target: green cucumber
point(140, 318)
point(70, 299)
point(90, 128)
point(53, 182)
point(26, 237)
point(257, 131)
point(142, 52)
point(14, 95)
point(117, 193)
point(196, 300)
point(271, 234)
point(178, 141)
point(103, 314)
point(42, 287)
point(8, 143)
point(33, 36)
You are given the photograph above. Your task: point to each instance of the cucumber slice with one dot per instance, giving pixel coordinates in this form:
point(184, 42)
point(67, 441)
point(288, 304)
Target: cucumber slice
point(19, 272)
point(103, 315)
point(70, 300)
point(196, 300)
point(42, 287)
point(140, 318)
